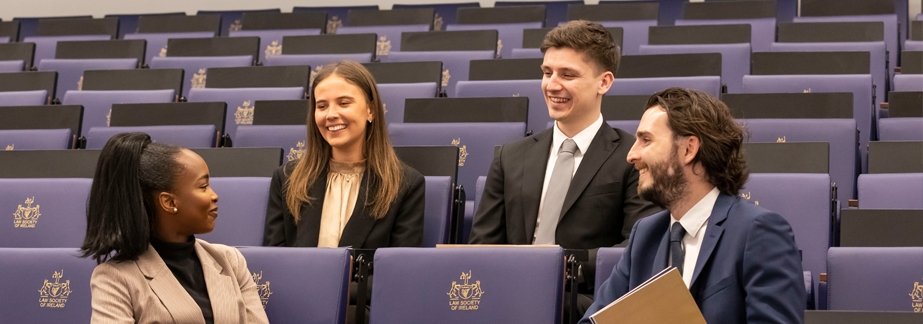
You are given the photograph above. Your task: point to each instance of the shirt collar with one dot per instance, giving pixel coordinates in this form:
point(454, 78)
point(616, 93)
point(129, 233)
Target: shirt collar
point(583, 138)
point(698, 215)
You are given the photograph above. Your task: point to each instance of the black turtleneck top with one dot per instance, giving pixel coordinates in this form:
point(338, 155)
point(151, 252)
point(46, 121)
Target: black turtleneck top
point(183, 261)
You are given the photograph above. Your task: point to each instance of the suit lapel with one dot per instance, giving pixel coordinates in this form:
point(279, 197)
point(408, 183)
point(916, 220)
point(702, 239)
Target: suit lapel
point(222, 290)
point(311, 213)
point(602, 146)
point(360, 222)
point(533, 179)
point(712, 234)
point(165, 286)
point(660, 259)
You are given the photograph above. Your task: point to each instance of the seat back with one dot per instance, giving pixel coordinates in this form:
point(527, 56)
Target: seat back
point(78, 26)
point(281, 112)
point(509, 35)
point(506, 69)
point(535, 298)
point(242, 206)
point(36, 139)
point(55, 117)
point(905, 117)
point(438, 211)
point(138, 79)
point(388, 25)
point(735, 59)
point(394, 95)
point(760, 15)
point(9, 30)
point(46, 46)
point(57, 280)
point(48, 164)
point(532, 89)
point(890, 27)
point(196, 68)
point(624, 107)
point(331, 44)
point(11, 66)
point(606, 259)
point(231, 19)
point(291, 138)
point(241, 162)
point(97, 105)
point(532, 38)
point(23, 98)
point(157, 42)
point(111, 49)
point(877, 58)
point(555, 11)
point(46, 212)
point(455, 49)
point(633, 17)
point(443, 13)
point(880, 227)
point(187, 136)
point(388, 37)
point(648, 86)
point(215, 46)
point(891, 191)
point(171, 114)
point(241, 102)
point(895, 157)
point(336, 15)
point(406, 72)
point(70, 71)
point(874, 278)
point(128, 23)
point(271, 28)
point(181, 23)
point(30, 81)
point(28, 26)
point(17, 52)
point(301, 285)
point(260, 77)
point(431, 161)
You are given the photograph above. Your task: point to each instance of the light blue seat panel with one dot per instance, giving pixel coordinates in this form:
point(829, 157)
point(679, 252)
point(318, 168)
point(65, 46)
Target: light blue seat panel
point(23, 98)
point(36, 139)
point(188, 136)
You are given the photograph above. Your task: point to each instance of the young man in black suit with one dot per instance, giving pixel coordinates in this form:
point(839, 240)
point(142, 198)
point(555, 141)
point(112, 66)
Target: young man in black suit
point(570, 185)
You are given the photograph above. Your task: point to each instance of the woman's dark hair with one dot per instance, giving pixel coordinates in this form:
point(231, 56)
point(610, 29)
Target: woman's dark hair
point(130, 174)
point(695, 113)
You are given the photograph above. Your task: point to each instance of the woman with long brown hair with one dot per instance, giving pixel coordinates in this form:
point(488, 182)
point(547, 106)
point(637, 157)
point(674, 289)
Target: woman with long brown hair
point(349, 188)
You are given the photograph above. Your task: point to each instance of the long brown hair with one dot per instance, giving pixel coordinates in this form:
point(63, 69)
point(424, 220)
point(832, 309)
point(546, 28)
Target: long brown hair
point(383, 166)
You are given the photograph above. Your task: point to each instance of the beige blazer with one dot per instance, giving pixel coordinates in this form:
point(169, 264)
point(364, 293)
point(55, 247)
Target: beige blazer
point(145, 291)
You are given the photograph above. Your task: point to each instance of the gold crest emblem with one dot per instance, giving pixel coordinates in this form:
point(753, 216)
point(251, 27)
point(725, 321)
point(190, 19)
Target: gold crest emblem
point(163, 52)
point(273, 49)
point(516, 95)
point(747, 196)
point(384, 46)
point(333, 24)
point(80, 83)
point(244, 114)
point(499, 46)
point(54, 294)
point(315, 72)
point(462, 151)
point(808, 90)
point(296, 153)
point(437, 22)
point(465, 296)
point(916, 296)
point(198, 79)
point(262, 289)
point(10, 147)
point(236, 26)
point(780, 139)
point(445, 78)
point(26, 217)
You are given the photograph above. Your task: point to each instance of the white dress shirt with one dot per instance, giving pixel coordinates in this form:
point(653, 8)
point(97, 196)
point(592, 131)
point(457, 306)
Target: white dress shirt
point(694, 222)
point(582, 139)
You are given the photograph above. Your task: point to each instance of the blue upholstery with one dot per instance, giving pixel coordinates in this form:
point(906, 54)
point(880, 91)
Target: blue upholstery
point(291, 138)
point(271, 39)
point(23, 98)
point(188, 136)
point(4, 39)
point(629, 126)
point(29, 285)
point(519, 53)
point(840, 133)
point(897, 129)
point(389, 37)
point(157, 42)
point(877, 59)
point(317, 61)
point(648, 86)
point(517, 285)
point(241, 101)
point(913, 46)
point(230, 19)
point(45, 46)
point(70, 71)
point(45, 212)
point(606, 259)
point(890, 24)
point(438, 210)
point(11, 66)
point(874, 278)
point(735, 59)
point(454, 63)
point(393, 96)
point(762, 30)
point(510, 35)
point(891, 191)
point(908, 82)
point(303, 285)
point(36, 139)
point(634, 33)
point(97, 105)
point(241, 210)
point(538, 109)
point(803, 199)
point(195, 69)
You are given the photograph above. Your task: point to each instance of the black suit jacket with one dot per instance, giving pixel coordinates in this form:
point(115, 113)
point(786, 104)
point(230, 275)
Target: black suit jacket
point(600, 208)
point(401, 226)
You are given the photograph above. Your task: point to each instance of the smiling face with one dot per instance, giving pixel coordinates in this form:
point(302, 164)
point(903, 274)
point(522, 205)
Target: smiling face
point(656, 156)
point(342, 114)
point(196, 202)
point(573, 87)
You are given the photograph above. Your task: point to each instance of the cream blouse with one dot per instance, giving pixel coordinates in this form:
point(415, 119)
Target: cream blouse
point(343, 180)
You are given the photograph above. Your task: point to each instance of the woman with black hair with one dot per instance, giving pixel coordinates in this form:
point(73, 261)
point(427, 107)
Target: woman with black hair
point(146, 203)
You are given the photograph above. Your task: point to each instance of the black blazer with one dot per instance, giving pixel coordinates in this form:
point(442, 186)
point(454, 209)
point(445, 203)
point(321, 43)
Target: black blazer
point(401, 226)
point(600, 208)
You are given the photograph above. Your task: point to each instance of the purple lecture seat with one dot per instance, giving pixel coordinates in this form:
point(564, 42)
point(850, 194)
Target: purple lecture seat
point(606, 259)
point(45, 212)
point(45, 46)
point(11, 66)
point(242, 101)
point(897, 129)
point(241, 210)
point(454, 63)
point(913, 45)
point(291, 138)
point(538, 110)
point(70, 71)
point(97, 105)
point(762, 30)
point(469, 216)
point(394, 95)
point(56, 280)
point(438, 210)
point(36, 139)
point(649, 86)
point(195, 68)
point(271, 39)
point(891, 191)
point(635, 33)
point(23, 98)
point(389, 37)
point(891, 29)
point(316, 61)
point(874, 278)
point(908, 82)
point(188, 136)
point(735, 59)
point(157, 42)
point(520, 53)
point(510, 34)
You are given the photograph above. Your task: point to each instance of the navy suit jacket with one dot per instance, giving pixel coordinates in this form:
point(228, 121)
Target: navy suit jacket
point(748, 269)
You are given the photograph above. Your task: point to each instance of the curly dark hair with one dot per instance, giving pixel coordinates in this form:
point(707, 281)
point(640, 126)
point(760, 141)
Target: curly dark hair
point(695, 113)
point(587, 37)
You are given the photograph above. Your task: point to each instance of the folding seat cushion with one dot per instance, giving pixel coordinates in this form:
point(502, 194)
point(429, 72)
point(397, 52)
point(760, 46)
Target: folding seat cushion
point(271, 39)
point(393, 96)
point(23, 98)
point(532, 89)
point(188, 136)
point(11, 66)
point(874, 279)
point(301, 285)
point(891, 191)
point(908, 82)
point(97, 105)
point(455, 64)
point(527, 285)
point(242, 101)
point(195, 68)
point(648, 86)
point(70, 71)
point(763, 30)
point(438, 210)
point(443, 13)
point(510, 35)
point(49, 285)
point(291, 138)
point(606, 259)
point(900, 129)
point(46, 212)
point(241, 209)
point(803, 199)
point(735, 59)
point(157, 42)
point(46, 46)
point(231, 19)
point(890, 24)
point(36, 139)
point(389, 37)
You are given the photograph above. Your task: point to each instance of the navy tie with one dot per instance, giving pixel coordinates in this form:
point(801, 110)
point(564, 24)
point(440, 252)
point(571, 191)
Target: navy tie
point(676, 246)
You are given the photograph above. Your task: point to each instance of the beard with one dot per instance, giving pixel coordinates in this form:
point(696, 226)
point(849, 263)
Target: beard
point(668, 185)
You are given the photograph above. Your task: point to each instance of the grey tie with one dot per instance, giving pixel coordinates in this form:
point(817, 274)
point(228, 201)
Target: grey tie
point(557, 189)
